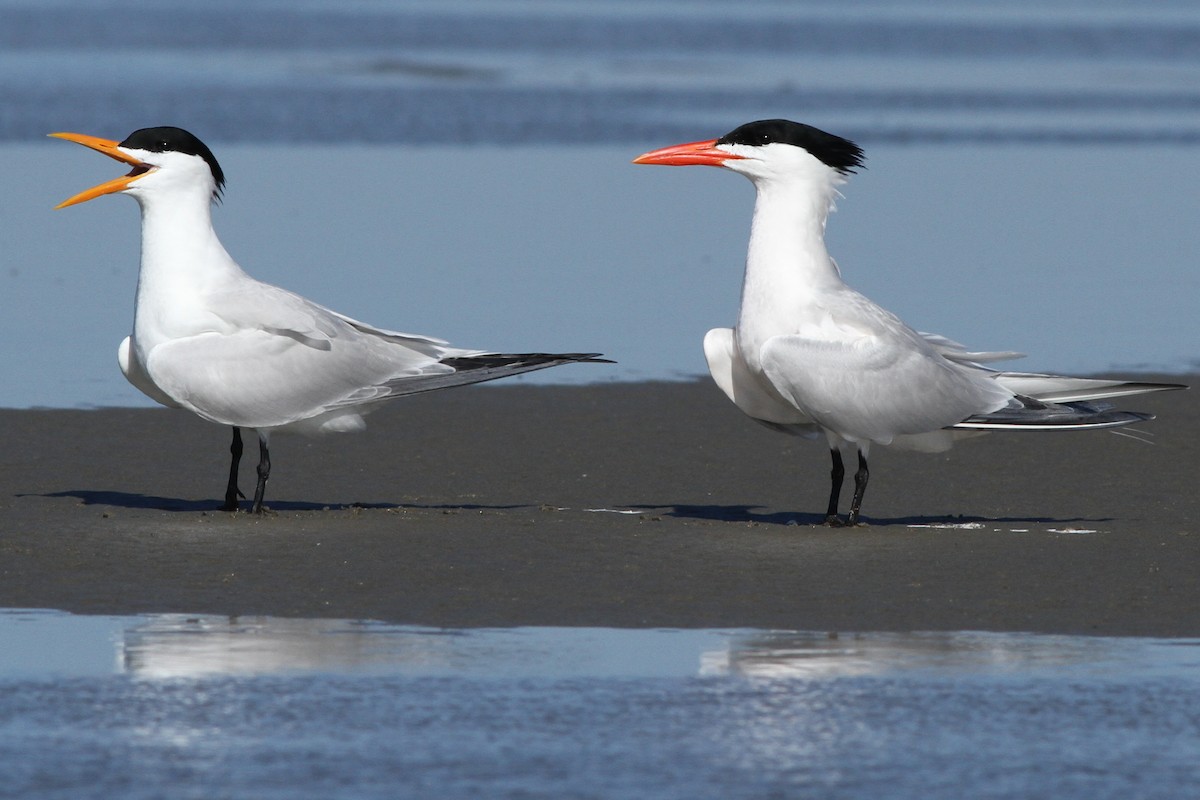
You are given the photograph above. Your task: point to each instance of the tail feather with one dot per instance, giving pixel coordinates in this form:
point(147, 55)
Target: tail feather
point(1062, 389)
point(1030, 414)
point(480, 367)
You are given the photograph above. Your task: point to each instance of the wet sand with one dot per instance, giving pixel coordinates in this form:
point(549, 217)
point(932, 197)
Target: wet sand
point(649, 505)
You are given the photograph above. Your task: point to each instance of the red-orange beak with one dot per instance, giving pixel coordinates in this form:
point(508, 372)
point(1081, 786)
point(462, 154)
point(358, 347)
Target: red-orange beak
point(681, 155)
point(109, 148)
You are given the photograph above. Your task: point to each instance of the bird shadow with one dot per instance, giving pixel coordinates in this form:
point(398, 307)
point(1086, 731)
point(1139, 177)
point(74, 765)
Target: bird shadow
point(153, 502)
point(747, 513)
point(716, 513)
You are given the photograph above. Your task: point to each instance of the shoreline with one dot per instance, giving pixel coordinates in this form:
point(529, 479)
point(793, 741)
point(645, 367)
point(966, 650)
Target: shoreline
point(610, 505)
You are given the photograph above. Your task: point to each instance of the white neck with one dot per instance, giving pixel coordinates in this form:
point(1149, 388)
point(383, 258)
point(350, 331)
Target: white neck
point(787, 265)
point(183, 261)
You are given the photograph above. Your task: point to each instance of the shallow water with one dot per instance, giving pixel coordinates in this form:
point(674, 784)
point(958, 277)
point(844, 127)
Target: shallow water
point(183, 706)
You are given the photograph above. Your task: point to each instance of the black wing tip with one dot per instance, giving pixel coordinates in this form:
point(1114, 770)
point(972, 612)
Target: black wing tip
point(1085, 418)
point(1146, 387)
point(493, 360)
point(485, 367)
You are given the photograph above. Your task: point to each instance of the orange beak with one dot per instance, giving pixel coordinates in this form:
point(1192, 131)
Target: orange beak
point(109, 148)
point(681, 155)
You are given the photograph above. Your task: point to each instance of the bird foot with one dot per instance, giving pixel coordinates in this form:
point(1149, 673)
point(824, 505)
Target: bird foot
point(231, 503)
point(254, 511)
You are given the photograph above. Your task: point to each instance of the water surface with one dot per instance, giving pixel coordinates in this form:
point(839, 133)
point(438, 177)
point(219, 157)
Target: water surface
point(184, 706)
point(461, 169)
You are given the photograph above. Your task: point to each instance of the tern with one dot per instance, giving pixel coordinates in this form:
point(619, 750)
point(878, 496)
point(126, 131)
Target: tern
point(810, 356)
point(209, 338)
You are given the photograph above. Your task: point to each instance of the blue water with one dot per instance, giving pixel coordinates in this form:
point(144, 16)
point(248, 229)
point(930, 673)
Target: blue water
point(506, 71)
point(461, 169)
point(177, 706)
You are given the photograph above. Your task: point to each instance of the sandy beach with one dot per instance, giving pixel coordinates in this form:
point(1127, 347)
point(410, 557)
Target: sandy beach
point(649, 505)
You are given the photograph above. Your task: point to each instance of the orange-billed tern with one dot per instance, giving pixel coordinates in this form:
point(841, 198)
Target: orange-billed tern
point(810, 355)
point(236, 351)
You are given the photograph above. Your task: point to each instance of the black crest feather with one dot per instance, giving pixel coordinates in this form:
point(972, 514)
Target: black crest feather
point(835, 152)
point(167, 139)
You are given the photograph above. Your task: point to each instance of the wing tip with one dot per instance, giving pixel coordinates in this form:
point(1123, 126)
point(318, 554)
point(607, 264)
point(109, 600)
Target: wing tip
point(526, 360)
point(1082, 422)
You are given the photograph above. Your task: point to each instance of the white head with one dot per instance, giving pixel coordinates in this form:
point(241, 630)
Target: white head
point(165, 160)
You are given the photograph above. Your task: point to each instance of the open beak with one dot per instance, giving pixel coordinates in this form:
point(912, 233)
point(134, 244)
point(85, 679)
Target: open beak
point(681, 155)
point(109, 148)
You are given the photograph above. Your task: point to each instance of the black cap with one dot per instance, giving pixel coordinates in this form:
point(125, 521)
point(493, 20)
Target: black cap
point(175, 140)
point(835, 152)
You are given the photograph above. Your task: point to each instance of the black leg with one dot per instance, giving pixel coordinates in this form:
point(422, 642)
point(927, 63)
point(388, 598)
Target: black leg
point(835, 491)
point(231, 489)
point(860, 488)
point(264, 472)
